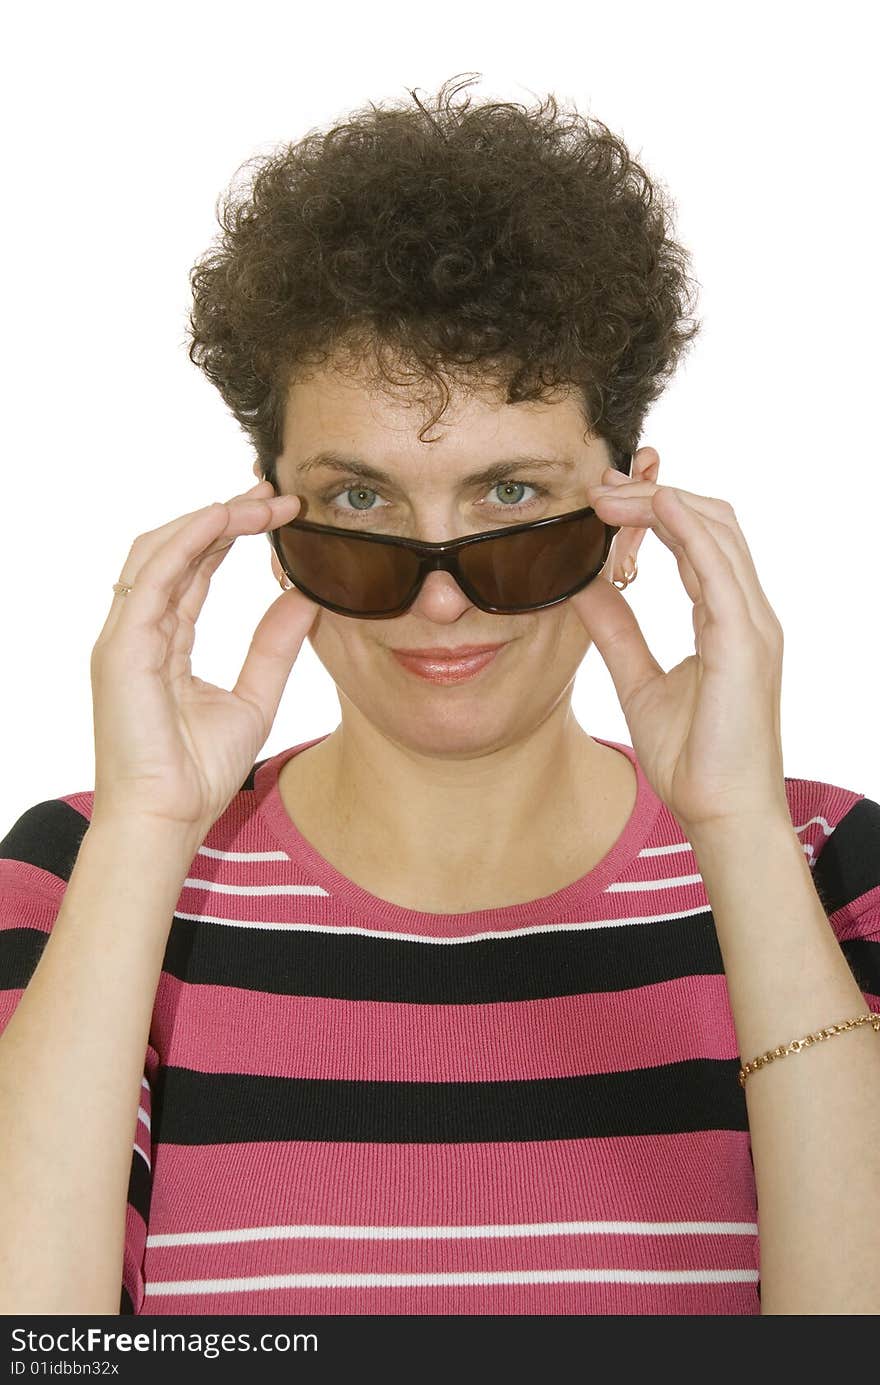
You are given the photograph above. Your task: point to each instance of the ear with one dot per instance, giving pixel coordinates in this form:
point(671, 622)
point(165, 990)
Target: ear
point(645, 467)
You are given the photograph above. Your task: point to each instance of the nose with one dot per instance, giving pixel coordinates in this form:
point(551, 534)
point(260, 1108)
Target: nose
point(440, 599)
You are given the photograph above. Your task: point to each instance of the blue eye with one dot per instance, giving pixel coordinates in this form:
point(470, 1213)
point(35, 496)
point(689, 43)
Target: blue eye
point(368, 494)
point(505, 485)
point(358, 491)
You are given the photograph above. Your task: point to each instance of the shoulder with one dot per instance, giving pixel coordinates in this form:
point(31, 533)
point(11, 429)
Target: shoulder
point(37, 856)
point(39, 850)
point(839, 829)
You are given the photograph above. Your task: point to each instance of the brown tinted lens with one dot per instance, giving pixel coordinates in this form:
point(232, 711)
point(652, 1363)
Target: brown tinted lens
point(349, 571)
point(537, 565)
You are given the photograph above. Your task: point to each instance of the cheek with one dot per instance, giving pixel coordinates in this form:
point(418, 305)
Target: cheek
point(338, 641)
point(572, 632)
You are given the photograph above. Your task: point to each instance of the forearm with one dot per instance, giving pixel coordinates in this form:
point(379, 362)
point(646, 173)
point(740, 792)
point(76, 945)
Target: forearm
point(71, 1062)
point(814, 1116)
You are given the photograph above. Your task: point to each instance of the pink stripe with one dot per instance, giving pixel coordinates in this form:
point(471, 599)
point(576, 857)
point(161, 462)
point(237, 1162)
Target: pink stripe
point(859, 919)
point(26, 900)
point(493, 1300)
point(142, 1140)
point(133, 1254)
point(225, 1029)
point(337, 1256)
point(703, 1176)
point(143, 1136)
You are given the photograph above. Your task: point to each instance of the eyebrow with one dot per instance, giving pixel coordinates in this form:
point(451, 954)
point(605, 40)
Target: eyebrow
point(498, 471)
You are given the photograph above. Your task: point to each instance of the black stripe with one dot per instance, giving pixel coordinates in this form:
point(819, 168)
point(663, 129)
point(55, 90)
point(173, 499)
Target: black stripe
point(864, 962)
point(351, 967)
point(126, 1306)
point(20, 951)
point(139, 1185)
point(354, 968)
point(348, 966)
point(848, 865)
point(195, 1108)
point(49, 836)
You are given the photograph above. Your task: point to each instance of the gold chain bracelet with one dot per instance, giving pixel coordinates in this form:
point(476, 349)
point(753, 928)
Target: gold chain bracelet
point(797, 1044)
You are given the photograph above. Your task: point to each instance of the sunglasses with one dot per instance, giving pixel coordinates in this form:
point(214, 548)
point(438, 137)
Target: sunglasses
point(525, 567)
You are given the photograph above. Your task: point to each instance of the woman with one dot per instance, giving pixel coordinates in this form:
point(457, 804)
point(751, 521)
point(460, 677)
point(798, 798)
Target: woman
point(443, 1013)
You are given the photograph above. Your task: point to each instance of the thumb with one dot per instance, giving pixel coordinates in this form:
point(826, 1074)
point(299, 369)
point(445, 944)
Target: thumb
point(273, 651)
point(610, 622)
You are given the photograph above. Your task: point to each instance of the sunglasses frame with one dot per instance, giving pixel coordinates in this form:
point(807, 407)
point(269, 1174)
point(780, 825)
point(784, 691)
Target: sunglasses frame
point(442, 557)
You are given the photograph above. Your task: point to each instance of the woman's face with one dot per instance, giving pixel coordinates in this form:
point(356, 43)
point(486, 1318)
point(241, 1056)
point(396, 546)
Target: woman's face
point(427, 496)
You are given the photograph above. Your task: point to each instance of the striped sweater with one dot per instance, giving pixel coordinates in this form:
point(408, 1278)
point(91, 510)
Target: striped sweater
point(351, 1107)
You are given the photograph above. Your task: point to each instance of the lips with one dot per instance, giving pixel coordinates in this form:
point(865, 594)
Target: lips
point(438, 665)
point(461, 651)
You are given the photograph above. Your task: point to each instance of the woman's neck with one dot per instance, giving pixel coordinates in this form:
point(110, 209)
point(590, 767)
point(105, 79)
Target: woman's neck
point(456, 834)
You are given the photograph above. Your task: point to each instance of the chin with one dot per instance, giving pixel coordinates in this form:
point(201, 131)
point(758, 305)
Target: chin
point(475, 717)
point(453, 732)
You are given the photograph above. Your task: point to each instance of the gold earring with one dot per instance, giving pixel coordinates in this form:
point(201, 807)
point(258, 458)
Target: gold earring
point(628, 577)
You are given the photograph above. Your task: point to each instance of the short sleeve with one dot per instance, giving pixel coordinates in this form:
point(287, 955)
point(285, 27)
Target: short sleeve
point(37, 857)
point(846, 874)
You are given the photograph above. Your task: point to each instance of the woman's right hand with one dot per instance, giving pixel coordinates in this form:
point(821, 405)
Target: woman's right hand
point(169, 746)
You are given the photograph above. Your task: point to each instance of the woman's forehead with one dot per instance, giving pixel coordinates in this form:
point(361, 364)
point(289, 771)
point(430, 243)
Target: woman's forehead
point(337, 423)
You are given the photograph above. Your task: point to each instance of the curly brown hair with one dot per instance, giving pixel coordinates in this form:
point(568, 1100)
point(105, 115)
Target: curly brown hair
point(492, 246)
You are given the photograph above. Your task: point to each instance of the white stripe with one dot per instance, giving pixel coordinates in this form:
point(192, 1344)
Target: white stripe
point(191, 883)
point(686, 846)
point(666, 883)
point(665, 850)
point(145, 1083)
point(428, 938)
point(142, 1116)
point(243, 855)
point(823, 823)
point(143, 1155)
point(617, 887)
point(379, 1281)
point(455, 1233)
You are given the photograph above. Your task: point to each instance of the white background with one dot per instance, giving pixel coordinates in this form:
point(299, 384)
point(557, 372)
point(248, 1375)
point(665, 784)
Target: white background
point(122, 125)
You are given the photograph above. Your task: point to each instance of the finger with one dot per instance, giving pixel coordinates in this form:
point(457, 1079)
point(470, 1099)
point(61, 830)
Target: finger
point(726, 600)
point(723, 578)
point(204, 522)
point(273, 651)
point(611, 624)
point(154, 538)
point(263, 490)
point(185, 604)
point(191, 590)
point(720, 515)
point(148, 601)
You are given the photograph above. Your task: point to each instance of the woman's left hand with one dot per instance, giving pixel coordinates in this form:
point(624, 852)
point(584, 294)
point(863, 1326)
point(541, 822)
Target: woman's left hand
point(707, 733)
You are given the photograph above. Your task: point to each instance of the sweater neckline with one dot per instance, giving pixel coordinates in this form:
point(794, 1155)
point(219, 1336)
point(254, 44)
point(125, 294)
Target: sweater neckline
point(570, 901)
